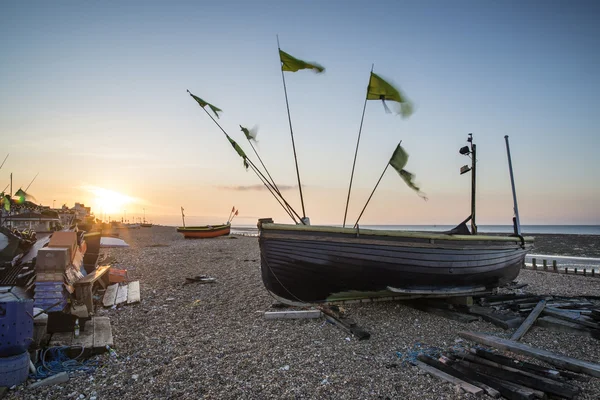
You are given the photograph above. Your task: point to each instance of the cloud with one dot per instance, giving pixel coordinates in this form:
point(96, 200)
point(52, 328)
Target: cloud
point(245, 188)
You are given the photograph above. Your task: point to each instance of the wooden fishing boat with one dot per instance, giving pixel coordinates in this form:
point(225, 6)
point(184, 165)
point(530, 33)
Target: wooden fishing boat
point(204, 232)
point(314, 264)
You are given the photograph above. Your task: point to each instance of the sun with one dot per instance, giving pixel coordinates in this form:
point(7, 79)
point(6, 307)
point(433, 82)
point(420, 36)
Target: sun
point(107, 201)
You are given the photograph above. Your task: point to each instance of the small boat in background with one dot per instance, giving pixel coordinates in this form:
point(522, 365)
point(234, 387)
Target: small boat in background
point(206, 231)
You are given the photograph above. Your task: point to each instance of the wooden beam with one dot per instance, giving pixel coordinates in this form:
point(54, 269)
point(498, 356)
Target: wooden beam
point(566, 362)
point(536, 382)
point(506, 389)
point(521, 377)
point(519, 333)
point(490, 391)
point(467, 387)
point(517, 364)
point(565, 326)
point(571, 317)
point(300, 314)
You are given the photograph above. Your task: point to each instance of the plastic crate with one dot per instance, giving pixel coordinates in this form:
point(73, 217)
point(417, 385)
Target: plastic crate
point(16, 326)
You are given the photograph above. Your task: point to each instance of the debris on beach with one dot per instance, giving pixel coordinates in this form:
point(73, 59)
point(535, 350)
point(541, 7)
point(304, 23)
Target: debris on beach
point(479, 370)
point(577, 315)
point(200, 279)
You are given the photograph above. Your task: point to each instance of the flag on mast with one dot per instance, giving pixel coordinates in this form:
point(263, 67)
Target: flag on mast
point(250, 133)
point(398, 162)
point(21, 197)
point(380, 89)
point(292, 64)
point(239, 150)
point(216, 110)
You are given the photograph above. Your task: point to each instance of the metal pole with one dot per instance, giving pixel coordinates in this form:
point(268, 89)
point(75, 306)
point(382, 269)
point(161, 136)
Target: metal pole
point(258, 173)
point(36, 175)
point(267, 171)
point(287, 104)
point(512, 182)
point(356, 151)
point(473, 187)
point(4, 160)
point(372, 193)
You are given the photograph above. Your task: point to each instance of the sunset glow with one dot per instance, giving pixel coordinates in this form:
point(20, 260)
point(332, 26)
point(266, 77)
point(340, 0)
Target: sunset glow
point(108, 201)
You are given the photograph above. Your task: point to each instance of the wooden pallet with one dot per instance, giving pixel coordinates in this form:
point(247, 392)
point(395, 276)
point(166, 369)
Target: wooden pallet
point(96, 336)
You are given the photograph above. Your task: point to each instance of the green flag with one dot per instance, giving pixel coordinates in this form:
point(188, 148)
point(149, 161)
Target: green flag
point(203, 104)
point(21, 197)
point(379, 89)
point(5, 201)
point(292, 64)
point(398, 162)
point(239, 150)
point(250, 133)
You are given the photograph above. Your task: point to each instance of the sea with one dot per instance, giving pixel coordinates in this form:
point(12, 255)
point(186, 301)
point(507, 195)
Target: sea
point(525, 229)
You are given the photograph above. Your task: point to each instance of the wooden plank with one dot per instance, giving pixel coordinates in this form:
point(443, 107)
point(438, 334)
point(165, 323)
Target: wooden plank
point(490, 391)
point(61, 339)
point(506, 389)
point(110, 295)
point(94, 276)
point(517, 364)
point(528, 379)
point(535, 382)
point(566, 326)
point(571, 317)
point(467, 387)
point(348, 326)
point(121, 295)
point(102, 333)
point(301, 314)
point(501, 320)
point(519, 333)
point(453, 315)
point(566, 362)
point(133, 292)
point(86, 336)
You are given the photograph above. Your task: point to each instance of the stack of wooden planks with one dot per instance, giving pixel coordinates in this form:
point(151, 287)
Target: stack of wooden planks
point(480, 370)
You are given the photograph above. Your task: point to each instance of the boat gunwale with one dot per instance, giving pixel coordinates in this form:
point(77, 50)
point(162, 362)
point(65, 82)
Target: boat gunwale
point(204, 228)
point(389, 233)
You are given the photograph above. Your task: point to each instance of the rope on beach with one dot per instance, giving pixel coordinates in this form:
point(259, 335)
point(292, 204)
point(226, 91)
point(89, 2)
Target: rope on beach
point(411, 356)
point(60, 362)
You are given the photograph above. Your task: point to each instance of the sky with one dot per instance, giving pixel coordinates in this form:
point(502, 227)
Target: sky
point(93, 98)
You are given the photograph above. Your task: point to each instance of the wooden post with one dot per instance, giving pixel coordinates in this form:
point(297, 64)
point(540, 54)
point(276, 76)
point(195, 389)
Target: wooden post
point(534, 263)
point(545, 265)
point(575, 271)
point(593, 272)
point(554, 266)
point(566, 270)
point(585, 272)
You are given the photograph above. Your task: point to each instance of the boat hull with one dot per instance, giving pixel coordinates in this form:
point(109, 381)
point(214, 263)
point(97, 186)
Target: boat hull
point(301, 264)
point(204, 232)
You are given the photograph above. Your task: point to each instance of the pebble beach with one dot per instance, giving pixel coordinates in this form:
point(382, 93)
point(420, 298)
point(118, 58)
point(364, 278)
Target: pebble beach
point(211, 341)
